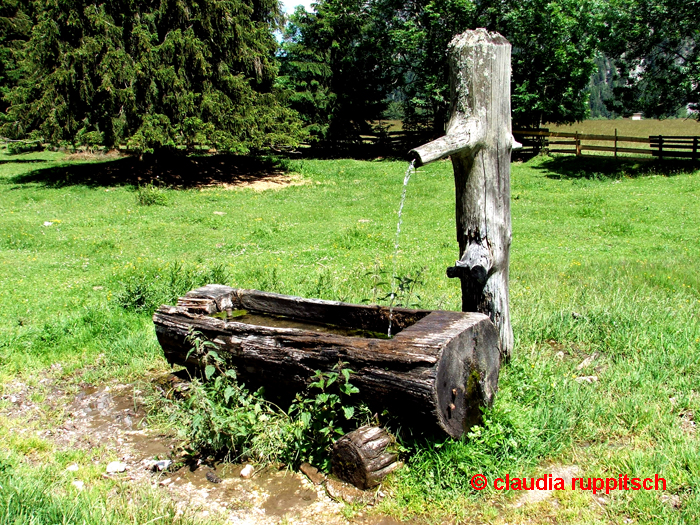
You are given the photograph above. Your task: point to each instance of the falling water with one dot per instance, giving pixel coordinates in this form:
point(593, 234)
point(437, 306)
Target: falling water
point(409, 171)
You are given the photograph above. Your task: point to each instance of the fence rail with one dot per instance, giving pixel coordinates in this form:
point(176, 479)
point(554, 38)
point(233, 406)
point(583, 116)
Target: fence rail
point(661, 146)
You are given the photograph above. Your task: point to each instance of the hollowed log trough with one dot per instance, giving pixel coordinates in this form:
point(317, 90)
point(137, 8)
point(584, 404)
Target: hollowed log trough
point(435, 373)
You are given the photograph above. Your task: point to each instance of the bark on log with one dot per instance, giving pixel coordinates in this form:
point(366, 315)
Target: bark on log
point(361, 458)
point(435, 373)
point(479, 142)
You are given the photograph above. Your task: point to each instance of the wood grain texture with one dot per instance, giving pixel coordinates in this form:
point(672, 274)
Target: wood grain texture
point(435, 373)
point(479, 142)
point(361, 457)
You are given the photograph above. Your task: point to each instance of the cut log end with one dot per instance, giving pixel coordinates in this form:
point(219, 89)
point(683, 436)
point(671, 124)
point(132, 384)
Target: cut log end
point(361, 457)
point(467, 378)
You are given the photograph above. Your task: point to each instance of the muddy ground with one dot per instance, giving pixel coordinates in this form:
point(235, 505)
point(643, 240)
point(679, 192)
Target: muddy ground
point(113, 417)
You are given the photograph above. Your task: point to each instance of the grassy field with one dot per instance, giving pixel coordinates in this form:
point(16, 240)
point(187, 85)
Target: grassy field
point(624, 128)
point(632, 128)
point(604, 282)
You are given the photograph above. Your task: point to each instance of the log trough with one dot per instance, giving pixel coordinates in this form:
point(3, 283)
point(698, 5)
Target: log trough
point(435, 372)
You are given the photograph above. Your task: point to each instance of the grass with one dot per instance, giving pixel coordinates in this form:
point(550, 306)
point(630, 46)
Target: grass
point(604, 260)
point(632, 128)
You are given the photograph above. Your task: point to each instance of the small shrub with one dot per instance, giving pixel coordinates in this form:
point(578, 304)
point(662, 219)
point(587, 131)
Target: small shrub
point(147, 289)
point(223, 418)
point(317, 421)
point(151, 195)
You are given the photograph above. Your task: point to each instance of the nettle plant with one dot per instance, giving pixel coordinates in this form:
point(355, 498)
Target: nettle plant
point(318, 420)
point(225, 418)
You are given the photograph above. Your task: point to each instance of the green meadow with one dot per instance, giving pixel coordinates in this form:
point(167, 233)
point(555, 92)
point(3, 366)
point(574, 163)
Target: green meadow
point(604, 286)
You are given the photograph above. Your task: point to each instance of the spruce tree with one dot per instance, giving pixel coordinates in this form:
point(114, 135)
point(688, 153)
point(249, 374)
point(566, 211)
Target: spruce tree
point(153, 74)
point(336, 61)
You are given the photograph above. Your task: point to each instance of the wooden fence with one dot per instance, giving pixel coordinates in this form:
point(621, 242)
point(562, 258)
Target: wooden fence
point(661, 146)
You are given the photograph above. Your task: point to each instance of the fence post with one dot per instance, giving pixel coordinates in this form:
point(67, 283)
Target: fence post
point(578, 145)
point(615, 142)
point(661, 147)
point(695, 149)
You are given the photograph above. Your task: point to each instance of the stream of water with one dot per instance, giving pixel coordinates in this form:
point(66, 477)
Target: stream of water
point(409, 171)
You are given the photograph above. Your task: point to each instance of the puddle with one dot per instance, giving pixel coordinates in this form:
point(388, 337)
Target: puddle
point(99, 415)
point(279, 321)
point(105, 408)
point(287, 493)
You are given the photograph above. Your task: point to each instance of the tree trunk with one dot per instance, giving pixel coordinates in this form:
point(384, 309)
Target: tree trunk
point(436, 372)
point(479, 142)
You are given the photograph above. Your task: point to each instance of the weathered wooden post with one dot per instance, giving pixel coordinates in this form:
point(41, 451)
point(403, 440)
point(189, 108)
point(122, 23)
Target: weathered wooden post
point(479, 142)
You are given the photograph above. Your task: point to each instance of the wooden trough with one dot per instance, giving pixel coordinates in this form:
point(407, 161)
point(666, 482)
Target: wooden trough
point(435, 373)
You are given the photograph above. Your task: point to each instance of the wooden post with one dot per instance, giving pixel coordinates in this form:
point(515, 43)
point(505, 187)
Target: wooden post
point(661, 147)
point(578, 145)
point(479, 142)
point(695, 149)
point(615, 142)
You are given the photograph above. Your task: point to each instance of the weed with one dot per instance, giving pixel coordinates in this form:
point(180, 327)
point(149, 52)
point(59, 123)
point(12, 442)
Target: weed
point(151, 195)
point(318, 420)
point(224, 417)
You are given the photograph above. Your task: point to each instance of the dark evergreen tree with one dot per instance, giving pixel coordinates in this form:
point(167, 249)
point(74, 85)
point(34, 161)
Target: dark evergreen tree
point(335, 60)
point(153, 74)
point(15, 26)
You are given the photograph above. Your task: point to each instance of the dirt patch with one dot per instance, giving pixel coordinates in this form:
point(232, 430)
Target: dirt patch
point(273, 182)
point(112, 419)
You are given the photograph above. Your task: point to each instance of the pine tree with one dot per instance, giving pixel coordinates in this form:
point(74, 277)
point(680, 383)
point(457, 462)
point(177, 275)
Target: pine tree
point(336, 62)
point(15, 26)
point(153, 74)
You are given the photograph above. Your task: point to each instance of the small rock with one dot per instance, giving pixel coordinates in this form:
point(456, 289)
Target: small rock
point(586, 379)
point(312, 473)
point(247, 472)
point(72, 468)
point(673, 500)
point(47, 223)
point(115, 467)
point(78, 484)
point(219, 213)
point(160, 466)
point(559, 355)
point(13, 399)
point(165, 482)
point(213, 477)
point(576, 315)
point(587, 361)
